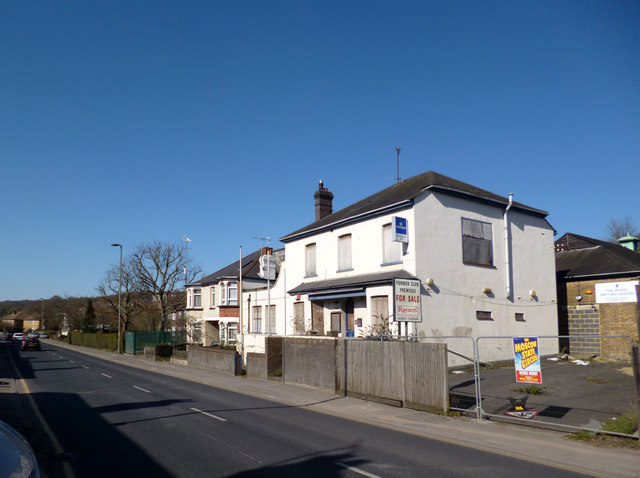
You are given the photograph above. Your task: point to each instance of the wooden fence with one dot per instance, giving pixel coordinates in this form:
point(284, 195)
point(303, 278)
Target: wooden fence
point(409, 374)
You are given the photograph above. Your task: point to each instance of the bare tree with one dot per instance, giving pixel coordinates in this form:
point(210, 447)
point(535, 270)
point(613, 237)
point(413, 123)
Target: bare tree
point(620, 228)
point(131, 301)
point(159, 269)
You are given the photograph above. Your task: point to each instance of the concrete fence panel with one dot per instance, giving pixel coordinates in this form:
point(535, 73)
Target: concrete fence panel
point(256, 365)
point(220, 360)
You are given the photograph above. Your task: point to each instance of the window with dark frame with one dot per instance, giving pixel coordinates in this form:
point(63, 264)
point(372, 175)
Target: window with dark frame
point(477, 242)
point(484, 315)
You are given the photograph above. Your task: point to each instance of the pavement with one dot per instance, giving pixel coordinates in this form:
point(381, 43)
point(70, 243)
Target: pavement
point(522, 442)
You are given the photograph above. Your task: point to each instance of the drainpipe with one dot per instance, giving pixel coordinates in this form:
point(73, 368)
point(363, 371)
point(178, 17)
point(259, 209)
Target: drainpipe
point(507, 250)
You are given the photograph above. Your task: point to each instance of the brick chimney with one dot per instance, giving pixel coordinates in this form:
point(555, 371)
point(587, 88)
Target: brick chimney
point(324, 201)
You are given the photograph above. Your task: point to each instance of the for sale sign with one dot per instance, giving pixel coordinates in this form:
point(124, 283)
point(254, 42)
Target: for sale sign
point(406, 300)
point(526, 355)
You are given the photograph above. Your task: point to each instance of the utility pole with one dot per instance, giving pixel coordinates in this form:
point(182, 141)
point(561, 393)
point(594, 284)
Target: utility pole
point(267, 240)
point(186, 245)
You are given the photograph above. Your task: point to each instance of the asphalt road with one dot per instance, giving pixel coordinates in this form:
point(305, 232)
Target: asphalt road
point(111, 420)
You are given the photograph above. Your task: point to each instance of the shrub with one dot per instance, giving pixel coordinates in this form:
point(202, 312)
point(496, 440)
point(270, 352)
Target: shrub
point(530, 390)
point(626, 424)
point(164, 350)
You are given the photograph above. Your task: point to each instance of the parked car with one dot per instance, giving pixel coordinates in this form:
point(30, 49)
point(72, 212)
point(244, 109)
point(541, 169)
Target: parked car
point(16, 456)
point(17, 337)
point(30, 343)
point(44, 335)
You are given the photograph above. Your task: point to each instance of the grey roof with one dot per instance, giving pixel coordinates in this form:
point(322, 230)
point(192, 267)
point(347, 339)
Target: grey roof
point(581, 257)
point(401, 195)
point(364, 280)
point(250, 269)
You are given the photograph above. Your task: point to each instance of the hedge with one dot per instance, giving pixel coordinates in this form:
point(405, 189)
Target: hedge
point(96, 341)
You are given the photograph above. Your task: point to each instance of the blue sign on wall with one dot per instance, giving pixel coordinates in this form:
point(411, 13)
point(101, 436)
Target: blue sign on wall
point(399, 227)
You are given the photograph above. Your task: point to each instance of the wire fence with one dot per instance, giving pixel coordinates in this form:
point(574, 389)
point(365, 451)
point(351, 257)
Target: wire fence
point(593, 393)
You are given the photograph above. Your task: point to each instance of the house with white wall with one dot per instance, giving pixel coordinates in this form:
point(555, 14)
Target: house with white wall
point(213, 308)
point(485, 263)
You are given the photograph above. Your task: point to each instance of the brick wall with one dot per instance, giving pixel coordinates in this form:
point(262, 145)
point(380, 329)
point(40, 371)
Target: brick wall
point(311, 361)
point(228, 312)
point(587, 317)
point(583, 320)
point(273, 352)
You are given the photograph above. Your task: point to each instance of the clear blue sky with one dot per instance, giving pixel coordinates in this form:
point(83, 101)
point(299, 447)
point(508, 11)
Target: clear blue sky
point(132, 121)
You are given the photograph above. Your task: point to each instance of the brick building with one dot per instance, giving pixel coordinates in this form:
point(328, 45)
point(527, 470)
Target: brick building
point(596, 295)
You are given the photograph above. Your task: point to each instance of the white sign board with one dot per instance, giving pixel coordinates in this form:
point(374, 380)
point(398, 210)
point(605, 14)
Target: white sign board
point(267, 267)
point(399, 229)
point(406, 300)
point(611, 292)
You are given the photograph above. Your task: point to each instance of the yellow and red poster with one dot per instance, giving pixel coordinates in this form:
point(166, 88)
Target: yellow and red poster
point(527, 360)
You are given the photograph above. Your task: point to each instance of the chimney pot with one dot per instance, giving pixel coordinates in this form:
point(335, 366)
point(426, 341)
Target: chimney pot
point(324, 202)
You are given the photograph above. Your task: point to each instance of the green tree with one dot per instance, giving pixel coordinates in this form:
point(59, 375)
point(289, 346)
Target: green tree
point(89, 319)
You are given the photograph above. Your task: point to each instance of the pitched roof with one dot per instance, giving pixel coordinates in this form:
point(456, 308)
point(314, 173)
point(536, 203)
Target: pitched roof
point(250, 269)
point(580, 257)
point(401, 195)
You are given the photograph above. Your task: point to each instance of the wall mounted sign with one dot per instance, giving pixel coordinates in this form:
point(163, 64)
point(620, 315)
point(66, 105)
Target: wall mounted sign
point(399, 229)
point(612, 292)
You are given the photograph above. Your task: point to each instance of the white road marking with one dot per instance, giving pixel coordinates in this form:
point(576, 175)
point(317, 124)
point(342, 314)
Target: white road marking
point(357, 470)
point(208, 414)
point(71, 361)
point(142, 389)
point(84, 366)
point(108, 376)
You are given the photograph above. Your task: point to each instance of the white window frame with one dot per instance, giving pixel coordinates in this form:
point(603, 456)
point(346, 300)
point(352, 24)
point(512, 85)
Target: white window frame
point(197, 298)
point(345, 259)
point(223, 293)
point(256, 319)
point(213, 296)
point(391, 250)
point(310, 260)
point(232, 293)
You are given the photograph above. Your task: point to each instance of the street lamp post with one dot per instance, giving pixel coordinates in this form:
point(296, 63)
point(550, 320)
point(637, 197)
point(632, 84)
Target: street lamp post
point(119, 297)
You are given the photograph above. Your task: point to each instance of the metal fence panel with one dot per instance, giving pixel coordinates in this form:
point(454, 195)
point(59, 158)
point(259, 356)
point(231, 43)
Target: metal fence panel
point(588, 393)
point(135, 342)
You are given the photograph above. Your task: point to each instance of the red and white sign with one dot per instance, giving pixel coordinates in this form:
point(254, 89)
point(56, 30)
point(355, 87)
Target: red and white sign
point(406, 300)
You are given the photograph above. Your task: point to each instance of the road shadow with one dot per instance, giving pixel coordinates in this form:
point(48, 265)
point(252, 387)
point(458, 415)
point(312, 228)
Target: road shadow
point(86, 442)
point(317, 465)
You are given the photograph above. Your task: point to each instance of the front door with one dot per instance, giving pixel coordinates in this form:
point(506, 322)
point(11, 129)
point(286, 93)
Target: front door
point(317, 318)
point(349, 318)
